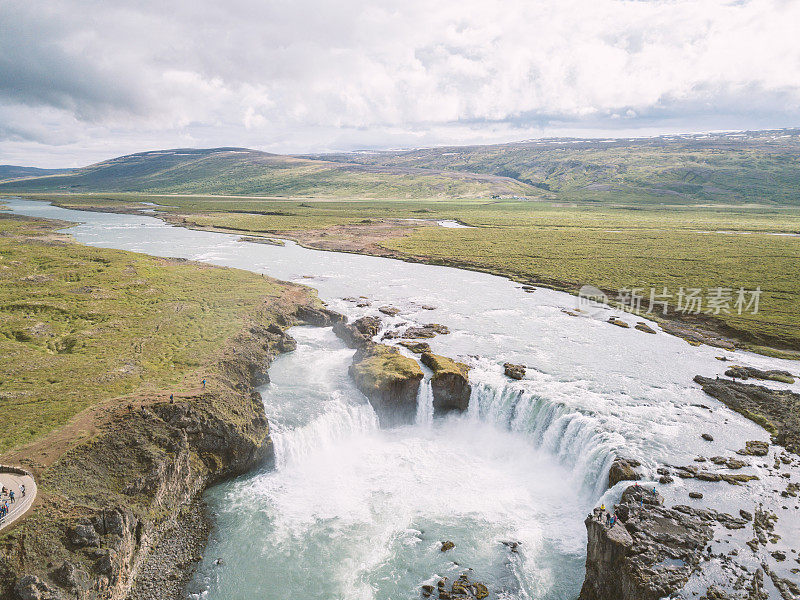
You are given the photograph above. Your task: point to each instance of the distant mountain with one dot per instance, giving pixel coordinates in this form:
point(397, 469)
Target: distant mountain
point(243, 172)
point(8, 172)
point(760, 167)
point(736, 167)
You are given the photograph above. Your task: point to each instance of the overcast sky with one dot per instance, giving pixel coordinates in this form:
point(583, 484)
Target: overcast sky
point(85, 80)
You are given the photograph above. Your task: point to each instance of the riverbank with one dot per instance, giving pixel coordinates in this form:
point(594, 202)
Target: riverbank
point(129, 385)
point(539, 245)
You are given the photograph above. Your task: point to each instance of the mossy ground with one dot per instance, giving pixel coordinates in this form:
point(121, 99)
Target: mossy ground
point(442, 365)
point(383, 366)
point(79, 325)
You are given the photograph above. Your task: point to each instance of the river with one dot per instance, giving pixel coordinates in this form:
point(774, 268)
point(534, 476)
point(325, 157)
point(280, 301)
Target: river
point(356, 512)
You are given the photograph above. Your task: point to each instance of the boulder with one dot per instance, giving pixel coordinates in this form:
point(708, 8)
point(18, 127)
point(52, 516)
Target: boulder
point(83, 535)
point(319, 317)
point(514, 371)
point(448, 545)
point(754, 448)
point(450, 383)
point(359, 332)
point(389, 310)
point(642, 326)
point(425, 332)
point(389, 380)
point(618, 322)
point(707, 437)
point(623, 469)
point(416, 347)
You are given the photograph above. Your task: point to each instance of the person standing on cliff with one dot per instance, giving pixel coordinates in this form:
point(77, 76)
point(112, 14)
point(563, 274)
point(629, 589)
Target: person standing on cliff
point(22, 490)
point(11, 496)
point(204, 384)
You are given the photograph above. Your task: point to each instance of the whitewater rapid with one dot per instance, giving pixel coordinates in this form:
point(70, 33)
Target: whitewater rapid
point(356, 512)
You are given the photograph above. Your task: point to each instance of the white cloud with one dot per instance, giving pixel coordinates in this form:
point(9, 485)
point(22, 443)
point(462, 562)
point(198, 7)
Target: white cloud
point(94, 79)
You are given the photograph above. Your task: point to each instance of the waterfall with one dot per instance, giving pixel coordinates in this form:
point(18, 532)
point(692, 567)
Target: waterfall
point(341, 421)
point(570, 435)
point(425, 403)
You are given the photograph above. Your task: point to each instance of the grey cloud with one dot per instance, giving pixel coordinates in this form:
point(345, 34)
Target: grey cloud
point(311, 75)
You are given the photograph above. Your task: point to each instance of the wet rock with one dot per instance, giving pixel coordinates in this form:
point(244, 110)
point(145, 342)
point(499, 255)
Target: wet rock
point(514, 371)
point(318, 317)
point(448, 545)
point(389, 380)
point(389, 310)
point(416, 347)
point(745, 515)
point(707, 437)
point(618, 322)
point(778, 555)
point(695, 495)
point(664, 479)
point(739, 372)
point(775, 410)
point(754, 448)
point(650, 552)
point(359, 332)
point(427, 590)
point(642, 326)
point(623, 469)
point(450, 383)
point(425, 332)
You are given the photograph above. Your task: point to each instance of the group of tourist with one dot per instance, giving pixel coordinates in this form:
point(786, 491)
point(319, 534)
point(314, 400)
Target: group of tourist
point(7, 498)
point(611, 517)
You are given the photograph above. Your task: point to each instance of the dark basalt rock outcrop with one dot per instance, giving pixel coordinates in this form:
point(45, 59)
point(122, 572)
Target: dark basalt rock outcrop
point(777, 411)
point(623, 469)
point(450, 383)
point(514, 371)
point(319, 317)
point(461, 589)
point(739, 372)
point(389, 380)
point(359, 332)
point(425, 332)
point(649, 553)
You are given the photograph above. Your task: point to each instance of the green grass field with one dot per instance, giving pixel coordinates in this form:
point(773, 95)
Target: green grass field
point(563, 246)
point(79, 325)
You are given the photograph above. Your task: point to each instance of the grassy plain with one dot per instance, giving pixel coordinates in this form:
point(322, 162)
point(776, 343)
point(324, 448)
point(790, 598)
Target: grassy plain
point(611, 247)
point(79, 325)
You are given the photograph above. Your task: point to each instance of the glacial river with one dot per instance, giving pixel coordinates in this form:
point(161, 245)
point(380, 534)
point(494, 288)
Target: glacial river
point(356, 512)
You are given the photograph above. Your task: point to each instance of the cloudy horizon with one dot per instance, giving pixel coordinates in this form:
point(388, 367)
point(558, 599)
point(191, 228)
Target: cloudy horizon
point(86, 81)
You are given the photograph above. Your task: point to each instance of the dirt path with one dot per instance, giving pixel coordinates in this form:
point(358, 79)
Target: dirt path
point(21, 504)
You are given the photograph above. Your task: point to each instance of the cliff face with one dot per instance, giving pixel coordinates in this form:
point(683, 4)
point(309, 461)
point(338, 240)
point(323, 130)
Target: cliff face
point(389, 380)
point(108, 501)
point(648, 554)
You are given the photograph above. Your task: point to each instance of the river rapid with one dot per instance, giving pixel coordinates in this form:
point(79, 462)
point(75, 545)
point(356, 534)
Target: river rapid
point(356, 512)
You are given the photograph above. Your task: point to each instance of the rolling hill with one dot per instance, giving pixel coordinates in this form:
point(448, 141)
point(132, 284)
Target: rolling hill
point(239, 171)
point(751, 168)
point(761, 167)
